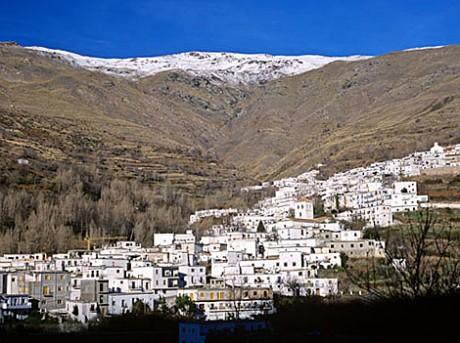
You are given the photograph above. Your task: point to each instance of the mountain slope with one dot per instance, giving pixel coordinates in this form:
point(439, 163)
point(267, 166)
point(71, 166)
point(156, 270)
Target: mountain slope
point(346, 114)
point(52, 113)
point(200, 132)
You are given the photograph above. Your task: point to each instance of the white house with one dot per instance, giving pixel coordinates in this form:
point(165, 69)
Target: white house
point(303, 209)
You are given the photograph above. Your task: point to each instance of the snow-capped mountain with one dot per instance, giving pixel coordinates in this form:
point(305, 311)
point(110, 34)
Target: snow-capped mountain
point(228, 67)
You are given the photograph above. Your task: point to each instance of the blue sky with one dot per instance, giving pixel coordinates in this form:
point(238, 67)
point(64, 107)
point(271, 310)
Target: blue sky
point(114, 28)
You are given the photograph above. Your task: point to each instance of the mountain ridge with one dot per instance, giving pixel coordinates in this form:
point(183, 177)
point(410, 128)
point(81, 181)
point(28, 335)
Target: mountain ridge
point(235, 68)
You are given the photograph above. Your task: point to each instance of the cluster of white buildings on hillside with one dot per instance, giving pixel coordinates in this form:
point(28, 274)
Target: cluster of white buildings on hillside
point(87, 285)
point(227, 273)
point(371, 194)
point(233, 270)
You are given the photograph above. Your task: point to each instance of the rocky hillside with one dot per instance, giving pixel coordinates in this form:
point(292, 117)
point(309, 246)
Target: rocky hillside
point(202, 130)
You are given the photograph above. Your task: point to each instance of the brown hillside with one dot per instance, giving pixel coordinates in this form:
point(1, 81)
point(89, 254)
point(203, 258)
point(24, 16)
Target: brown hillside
point(347, 114)
point(52, 113)
point(192, 130)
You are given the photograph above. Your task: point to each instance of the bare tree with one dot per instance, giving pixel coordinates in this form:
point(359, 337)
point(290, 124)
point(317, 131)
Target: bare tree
point(236, 294)
point(78, 203)
point(422, 259)
point(294, 286)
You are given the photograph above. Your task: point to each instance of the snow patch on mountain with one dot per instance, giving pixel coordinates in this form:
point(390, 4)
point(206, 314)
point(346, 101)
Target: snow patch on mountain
point(227, 67)
point(425, 48)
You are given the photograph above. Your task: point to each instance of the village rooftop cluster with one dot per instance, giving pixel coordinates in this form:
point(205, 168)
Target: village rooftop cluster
point(233, 270)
